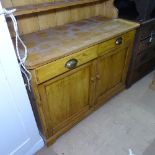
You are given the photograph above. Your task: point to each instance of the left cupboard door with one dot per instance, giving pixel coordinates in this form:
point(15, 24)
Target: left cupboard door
point(67, 98)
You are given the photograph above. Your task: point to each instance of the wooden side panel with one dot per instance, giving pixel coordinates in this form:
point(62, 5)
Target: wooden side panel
point(28, 24)
point(63, 16)
point(47, 19)
point(75, 13)
point(153, 84)
point(108, 11)
point(66, 97)
point(110, 70)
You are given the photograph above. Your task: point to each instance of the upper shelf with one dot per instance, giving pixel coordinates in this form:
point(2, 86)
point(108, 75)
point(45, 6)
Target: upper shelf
point(29, 9)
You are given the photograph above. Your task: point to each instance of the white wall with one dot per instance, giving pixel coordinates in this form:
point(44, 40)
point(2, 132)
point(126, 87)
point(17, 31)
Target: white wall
point(18, 131)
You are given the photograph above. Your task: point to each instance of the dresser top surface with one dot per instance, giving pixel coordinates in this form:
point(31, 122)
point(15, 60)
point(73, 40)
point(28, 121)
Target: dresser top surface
point(54, 43)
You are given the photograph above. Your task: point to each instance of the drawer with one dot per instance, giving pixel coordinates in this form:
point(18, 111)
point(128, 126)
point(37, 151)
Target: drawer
point(145, 44)
point(146, 29)
point(144, 68)
point(59, 66)
point(145, 56)
point(116, 42)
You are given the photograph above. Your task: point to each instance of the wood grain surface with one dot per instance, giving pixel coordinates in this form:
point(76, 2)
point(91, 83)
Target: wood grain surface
point(51, 44)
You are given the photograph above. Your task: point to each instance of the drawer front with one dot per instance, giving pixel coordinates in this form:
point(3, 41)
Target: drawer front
point(147, 43)
point(144, 69)
point(65, 64)
point(146, 29)
point(116, 42)
point(145, 56)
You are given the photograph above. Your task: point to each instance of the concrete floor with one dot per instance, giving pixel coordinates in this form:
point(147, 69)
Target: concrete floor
point(126, 122)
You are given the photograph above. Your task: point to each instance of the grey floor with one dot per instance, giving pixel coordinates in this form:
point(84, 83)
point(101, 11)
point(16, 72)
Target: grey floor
point(126, 122)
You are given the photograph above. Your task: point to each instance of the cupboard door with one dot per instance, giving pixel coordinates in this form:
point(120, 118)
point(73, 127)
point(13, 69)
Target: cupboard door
point(110, 71)
point(65, 99)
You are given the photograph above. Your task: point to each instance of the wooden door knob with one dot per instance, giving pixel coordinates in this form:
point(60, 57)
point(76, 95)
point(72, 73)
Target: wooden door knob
point(98, 77)
point(92, 79)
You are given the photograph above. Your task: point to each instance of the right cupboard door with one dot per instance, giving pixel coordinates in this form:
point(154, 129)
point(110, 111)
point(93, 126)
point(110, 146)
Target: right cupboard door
point(111, 73)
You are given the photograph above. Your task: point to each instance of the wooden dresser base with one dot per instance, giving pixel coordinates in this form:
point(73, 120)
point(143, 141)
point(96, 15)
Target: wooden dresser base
point(73, 79)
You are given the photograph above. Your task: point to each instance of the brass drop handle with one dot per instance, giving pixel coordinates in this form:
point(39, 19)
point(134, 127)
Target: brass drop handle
point(119, 41)
point(71, 64)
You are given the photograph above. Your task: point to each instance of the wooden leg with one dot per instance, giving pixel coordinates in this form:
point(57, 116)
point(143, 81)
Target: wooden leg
point(153, 84)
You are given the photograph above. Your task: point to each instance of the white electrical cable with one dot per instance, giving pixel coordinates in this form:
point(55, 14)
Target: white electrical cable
point(18, 40)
